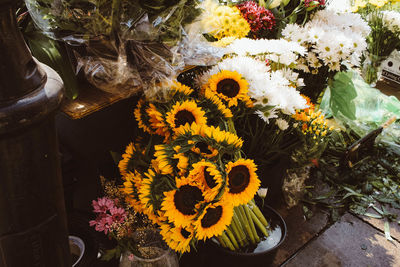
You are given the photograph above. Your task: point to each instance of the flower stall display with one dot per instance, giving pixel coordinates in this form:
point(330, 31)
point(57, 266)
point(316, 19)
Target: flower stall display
point(384, 19)
point(190, 172)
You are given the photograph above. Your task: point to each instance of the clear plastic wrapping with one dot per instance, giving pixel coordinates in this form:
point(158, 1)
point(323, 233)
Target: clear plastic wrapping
point(370, 108)
point(123, 46)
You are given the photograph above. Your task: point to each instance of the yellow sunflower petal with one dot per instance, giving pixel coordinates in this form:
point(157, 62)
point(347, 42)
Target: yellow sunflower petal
point(214, 220)
point(186, 112)
point(228, 86)
point(242, 181)
point(180, 204)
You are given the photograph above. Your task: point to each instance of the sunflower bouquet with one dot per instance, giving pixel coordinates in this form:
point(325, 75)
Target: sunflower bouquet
point(189, 175)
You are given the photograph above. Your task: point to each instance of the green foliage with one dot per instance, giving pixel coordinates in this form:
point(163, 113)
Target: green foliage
point(373, 182)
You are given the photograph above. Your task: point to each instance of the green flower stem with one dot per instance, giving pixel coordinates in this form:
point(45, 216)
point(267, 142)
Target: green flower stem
point(235, 231)
point(227, 242)
point(246, 225)
point(240, 223)
point(221, 241)
point(232, 238)
point(250, 219)
point(239, 227)
point(258, 213)
point(258, 223)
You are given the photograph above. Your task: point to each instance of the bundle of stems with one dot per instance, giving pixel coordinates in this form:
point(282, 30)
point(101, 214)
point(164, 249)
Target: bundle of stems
point(242, 231)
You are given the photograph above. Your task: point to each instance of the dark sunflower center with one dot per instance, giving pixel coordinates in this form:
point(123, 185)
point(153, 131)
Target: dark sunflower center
point(228, 87)
point(186, 198)
point(209, 179)
point(239, 179)
point(212, 216)
point(182, 117)
point(203, 147)
point(185, 233)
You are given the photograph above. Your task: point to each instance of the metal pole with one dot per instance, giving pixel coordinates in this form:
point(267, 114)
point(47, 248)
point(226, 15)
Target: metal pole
point(33, 228)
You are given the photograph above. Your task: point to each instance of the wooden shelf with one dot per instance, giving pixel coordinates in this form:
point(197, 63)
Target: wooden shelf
point(89, 100)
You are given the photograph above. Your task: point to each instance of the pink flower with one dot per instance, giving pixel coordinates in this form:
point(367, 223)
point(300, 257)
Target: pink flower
point(102, 205)
point(118, 215)
point(109, 216)
point(102, 223)
point(130, 257)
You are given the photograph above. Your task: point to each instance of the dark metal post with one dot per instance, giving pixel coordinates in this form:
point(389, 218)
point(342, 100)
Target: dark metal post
point(33, 228)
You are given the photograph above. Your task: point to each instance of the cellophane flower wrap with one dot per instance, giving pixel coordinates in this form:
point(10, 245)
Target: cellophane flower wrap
point(125, 46)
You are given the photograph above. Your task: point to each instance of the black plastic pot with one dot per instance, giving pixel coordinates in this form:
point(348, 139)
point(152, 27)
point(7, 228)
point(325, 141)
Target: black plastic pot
point(211, 254)
point(262, 258)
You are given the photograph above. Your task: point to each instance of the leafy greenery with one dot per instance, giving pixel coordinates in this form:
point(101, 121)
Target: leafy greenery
point(372, 182)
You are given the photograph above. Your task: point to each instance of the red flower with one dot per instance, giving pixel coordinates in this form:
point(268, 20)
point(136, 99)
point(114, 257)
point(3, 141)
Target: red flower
point(259, 18)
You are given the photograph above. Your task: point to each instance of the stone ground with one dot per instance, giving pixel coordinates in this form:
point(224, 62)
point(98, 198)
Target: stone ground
point(351, 241)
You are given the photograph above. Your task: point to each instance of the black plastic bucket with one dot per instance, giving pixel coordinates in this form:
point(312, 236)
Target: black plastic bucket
point(211, 254)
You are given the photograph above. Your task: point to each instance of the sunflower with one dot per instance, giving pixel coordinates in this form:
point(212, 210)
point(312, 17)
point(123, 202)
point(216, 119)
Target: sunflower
point(207, 174)
point(142, 117)
point(127, 157)
point(229, 86)
point(182, 89)
point(147, 195)
point(178, 238)
point(211, 134)
point(222, 109)
point(156, 121)
point(205, 150)
point(130, 188)
point(180, 205)
point(183, 163)
point(214, 220)
point(162, 161)
point(242, 181)
point(183, 113)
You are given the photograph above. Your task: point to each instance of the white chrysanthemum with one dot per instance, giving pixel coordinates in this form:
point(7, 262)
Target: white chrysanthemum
point(332, 40)
point(282, 124)
point(339, 5)
point(289, 31)
point(391, 19)
point(245, 46)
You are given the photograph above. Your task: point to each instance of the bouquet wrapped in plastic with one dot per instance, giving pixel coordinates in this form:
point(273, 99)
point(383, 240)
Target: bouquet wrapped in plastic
point(123, 45)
